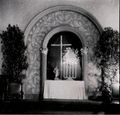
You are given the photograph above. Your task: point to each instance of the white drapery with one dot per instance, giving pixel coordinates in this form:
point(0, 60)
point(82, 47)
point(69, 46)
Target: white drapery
point(63, 89)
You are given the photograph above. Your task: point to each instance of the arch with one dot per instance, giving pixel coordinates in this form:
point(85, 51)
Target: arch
point(45, 24)
point(45, 51)
point(62, 8)
point(60, 29)
point(53, 32)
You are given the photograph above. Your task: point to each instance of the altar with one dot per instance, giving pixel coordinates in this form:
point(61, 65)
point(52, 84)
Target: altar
point(64, 89)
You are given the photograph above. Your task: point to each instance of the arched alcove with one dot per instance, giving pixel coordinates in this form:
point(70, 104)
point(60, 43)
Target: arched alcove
point(42, 28)
point(64, 58)
point(76, 42)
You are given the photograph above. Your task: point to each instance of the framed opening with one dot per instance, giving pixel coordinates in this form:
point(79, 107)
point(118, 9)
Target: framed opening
point(64, 59)
point(63, 71)
point(45, 35)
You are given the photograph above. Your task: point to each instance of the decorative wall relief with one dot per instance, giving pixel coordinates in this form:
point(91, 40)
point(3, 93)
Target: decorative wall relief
point(41, 28)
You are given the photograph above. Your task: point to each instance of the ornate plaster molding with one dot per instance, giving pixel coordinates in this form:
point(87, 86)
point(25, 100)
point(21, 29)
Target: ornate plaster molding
point(43, 24)
point(84, 51)
point(45, 51)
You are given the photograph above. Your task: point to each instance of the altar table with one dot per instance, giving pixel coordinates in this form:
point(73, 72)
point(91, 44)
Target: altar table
point(63, 89)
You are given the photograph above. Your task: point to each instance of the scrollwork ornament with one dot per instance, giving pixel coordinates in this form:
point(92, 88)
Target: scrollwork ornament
point(45, 51)
point(84, 51)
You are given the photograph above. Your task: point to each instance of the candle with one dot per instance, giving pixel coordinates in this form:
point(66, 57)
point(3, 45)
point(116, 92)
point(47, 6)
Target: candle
point(66, 69)
point(70, 71)
point(75, 70)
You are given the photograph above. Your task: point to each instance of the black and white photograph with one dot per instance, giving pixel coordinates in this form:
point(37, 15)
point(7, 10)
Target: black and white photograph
point(59, 57)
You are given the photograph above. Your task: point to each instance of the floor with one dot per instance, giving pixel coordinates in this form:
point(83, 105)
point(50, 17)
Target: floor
point(57, 107)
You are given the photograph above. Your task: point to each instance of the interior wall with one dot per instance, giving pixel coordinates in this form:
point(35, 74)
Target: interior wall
point(22, 11)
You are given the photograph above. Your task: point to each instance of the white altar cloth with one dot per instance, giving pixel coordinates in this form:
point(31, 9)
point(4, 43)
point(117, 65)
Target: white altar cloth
point(63, 89)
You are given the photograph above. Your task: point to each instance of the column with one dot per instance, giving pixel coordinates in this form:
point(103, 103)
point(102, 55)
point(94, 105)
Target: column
point(43, 76)
point(84, 53)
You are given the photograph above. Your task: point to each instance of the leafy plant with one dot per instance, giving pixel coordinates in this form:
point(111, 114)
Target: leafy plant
point(107, 53)
point(107, 48)
point(13, 49)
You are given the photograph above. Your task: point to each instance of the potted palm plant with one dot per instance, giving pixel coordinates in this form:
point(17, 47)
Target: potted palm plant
point(14, 59)
point(107, 55)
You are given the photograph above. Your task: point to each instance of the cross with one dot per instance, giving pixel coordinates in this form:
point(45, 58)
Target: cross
point(61, 47)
